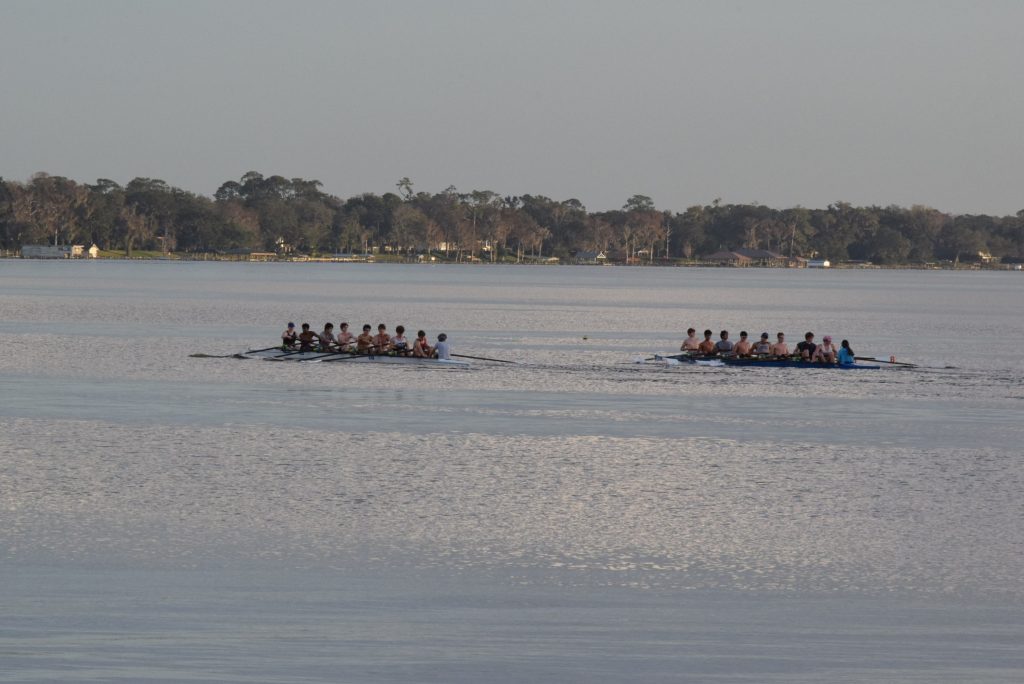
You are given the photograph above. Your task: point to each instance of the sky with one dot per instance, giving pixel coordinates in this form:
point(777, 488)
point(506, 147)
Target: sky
point(781, 103)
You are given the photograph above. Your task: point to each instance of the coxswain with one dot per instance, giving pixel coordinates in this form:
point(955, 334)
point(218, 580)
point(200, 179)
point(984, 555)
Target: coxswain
point(707, 347)
point(780, 348)
point(441, 349)
point(743, 347)
point(327, 337)
point(824, 352)
point(382, 341)
point(691, 343)
point(420, 347)
point(306, 338)
point(399, 344)
point(806, 348)
point(289, 338)
point(364, 343)
point(763, 347)
point(724, 346)
point(846, 356)
point(345, 338)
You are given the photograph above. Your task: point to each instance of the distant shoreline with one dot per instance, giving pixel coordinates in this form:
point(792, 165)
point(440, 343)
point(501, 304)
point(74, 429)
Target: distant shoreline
point(387, 259)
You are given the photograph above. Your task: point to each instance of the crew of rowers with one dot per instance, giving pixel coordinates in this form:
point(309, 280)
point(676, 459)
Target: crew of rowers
point(344, 342)
point(808, 350)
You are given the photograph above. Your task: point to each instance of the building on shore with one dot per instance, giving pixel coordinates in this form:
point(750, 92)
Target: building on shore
point(52, 251)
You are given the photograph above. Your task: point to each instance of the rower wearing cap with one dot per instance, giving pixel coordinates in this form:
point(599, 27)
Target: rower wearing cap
point(691, 343)
point(824, 352)
point(780, 348)
point(743, 347)
point(707, 346)
point(289, 338)
point(763, 347)
point(364, 343)
point(441, 349)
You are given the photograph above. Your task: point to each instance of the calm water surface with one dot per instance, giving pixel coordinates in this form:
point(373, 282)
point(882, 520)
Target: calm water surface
point(573, 517)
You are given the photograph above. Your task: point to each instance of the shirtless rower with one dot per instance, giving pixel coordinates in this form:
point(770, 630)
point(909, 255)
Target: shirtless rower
point(382, 341)
point(763, 347)
point(345, 338)
point(691, 343)
point(364, 343)
point(724, 346)
point(806, 348)
point(780, 348)
point(825, 352)
point(420, 347)
point(743, 347)
point(306, 338)
point(707, 347)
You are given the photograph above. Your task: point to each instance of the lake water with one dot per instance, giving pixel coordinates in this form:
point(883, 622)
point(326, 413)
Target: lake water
point(575, 517)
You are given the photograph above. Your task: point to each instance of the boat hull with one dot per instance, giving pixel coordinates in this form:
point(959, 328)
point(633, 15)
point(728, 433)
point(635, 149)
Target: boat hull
point(762, 363)
point(323, 357)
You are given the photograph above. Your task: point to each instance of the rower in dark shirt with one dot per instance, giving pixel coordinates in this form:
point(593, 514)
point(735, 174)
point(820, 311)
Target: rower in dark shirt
point(806, 348)
point(306, 338)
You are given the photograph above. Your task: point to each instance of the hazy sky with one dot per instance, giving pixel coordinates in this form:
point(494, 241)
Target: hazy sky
point(777, 102)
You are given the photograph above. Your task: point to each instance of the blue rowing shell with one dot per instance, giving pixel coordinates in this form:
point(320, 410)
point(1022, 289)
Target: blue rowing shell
point(771, 363)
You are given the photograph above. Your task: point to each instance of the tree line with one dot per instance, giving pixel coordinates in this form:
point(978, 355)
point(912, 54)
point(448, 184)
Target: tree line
point(277, 214)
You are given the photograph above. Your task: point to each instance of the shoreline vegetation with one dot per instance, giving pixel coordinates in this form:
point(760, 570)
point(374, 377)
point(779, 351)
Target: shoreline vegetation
point(151, 255)
point(273, 218)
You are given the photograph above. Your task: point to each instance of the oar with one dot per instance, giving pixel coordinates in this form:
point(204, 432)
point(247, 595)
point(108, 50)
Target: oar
point(481, 358)
point(345, 356)
point(253, 351)
point(217, 356)
point(894, 363)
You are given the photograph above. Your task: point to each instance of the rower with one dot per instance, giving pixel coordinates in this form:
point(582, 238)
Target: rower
point(691, 343)
point(382, 341)
point(306, 338)
point(398, 343)
point(345, 338)
point(289, 338)
point(780, 348)
point(441, 349)
point(327, 337)
point(763, 347)
point(824, 352)
point(724, 346)
point(420, 347)
point(364, 343)
point(743, 347)
point(806, 348)
point(846, 356)
point(707, 347)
